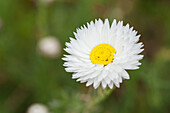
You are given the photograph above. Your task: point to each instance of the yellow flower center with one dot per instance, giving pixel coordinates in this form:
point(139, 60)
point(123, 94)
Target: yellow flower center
point(102, 54)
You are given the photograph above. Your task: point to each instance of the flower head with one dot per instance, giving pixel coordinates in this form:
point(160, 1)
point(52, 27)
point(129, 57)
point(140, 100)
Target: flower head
point(37, 108)
point(101, 54)
point(49, 47)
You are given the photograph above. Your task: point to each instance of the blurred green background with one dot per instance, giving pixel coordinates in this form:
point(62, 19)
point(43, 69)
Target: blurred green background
point(28, 77)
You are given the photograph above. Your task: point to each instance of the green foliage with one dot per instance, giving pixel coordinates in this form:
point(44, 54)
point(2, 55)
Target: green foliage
point(27, 77)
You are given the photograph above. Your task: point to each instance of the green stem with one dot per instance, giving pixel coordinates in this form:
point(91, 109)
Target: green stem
point(42, 26)
point(98, 96)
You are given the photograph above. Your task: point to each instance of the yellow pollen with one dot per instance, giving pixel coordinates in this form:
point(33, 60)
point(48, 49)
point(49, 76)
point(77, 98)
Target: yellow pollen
point(102, 54)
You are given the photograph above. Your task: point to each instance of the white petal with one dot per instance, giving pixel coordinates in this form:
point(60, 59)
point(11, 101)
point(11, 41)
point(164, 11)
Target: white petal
point(110, 85)
point(89, 82)
point(104, 84)
point(125, 75)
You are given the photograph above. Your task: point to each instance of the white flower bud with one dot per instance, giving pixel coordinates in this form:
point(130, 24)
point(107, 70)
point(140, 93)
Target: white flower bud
point(49, 47)
point(37, 108)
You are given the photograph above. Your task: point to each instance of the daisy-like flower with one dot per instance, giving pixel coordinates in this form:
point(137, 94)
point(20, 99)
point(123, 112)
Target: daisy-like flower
point(101, 54)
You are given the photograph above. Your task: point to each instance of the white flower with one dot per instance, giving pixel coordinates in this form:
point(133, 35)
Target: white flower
point(37, 108)
point(50, 47)
point(101, 54)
